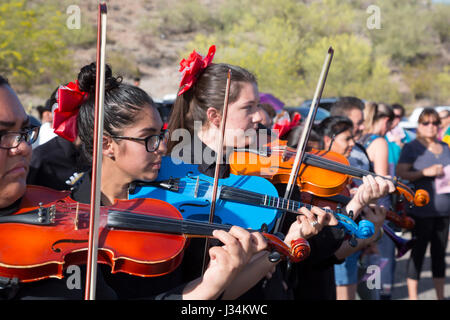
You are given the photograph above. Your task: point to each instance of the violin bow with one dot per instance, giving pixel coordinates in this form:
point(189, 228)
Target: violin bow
point(91, 275)
point(301, 146)
point(219, 159)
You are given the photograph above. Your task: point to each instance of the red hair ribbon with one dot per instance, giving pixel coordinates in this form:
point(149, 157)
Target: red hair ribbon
point(192, 66)
point(284, 126)
point(69, 100)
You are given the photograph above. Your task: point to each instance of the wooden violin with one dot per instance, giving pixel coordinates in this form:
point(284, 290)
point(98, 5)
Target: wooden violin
point(322, 173)
point(40, 240)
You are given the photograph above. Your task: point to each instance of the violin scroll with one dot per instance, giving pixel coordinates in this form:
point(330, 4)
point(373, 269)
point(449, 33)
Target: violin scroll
point(365, 230)
point(421, 198)
point(298, 251)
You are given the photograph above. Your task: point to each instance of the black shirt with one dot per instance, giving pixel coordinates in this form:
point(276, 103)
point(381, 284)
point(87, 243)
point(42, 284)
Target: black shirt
point(55, 162)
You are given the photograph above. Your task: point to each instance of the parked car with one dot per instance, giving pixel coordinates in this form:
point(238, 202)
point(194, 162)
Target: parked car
point(304, 111)
point(324, 103)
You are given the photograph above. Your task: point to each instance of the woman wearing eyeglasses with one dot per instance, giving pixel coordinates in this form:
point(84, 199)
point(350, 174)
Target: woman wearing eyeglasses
point(422, 162)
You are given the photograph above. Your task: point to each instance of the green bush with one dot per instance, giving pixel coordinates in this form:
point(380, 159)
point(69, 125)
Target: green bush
point(32, 49)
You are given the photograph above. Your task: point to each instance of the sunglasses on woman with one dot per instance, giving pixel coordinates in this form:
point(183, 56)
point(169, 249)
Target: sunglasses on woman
point(434, 123)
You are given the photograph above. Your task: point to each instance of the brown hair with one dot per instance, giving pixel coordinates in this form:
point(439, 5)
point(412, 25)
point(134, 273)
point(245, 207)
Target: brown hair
point(208, 91)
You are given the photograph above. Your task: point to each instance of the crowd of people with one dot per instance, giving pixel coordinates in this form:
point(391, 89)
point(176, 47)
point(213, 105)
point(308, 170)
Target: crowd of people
point(135, 139)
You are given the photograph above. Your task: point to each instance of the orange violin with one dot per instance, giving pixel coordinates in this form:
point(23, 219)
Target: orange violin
point(40, 240)
point(322, 173)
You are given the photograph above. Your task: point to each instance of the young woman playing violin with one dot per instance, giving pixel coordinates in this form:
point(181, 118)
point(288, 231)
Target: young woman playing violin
point(198, 109)
point(199, 103)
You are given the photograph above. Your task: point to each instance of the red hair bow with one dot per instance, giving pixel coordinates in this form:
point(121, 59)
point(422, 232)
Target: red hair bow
point(284, 126)
point(192, 66)
point(69, 100)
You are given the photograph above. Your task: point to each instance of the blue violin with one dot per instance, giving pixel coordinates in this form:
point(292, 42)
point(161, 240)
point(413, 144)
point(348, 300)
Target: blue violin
point(183, 186)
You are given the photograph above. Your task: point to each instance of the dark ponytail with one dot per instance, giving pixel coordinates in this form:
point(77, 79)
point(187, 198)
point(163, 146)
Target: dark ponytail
point(123, 102)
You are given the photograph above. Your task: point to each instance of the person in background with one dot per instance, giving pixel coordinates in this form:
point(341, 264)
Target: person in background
point(444, 129)
point(422, 161)
point(378, 119)
point(396, 138)
point(46, 117)
point(268, 113)
point(58, 163)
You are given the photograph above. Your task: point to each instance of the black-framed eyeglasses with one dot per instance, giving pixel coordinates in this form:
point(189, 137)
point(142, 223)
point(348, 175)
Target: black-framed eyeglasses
point(12, 139)
point(151, 142)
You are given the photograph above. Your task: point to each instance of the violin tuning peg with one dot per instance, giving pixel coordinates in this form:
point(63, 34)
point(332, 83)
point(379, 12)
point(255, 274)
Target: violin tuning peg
point(338, 208)
point(274, 257)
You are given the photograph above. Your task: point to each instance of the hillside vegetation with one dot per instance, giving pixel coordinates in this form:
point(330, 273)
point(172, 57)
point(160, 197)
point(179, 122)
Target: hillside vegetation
point(284, 42)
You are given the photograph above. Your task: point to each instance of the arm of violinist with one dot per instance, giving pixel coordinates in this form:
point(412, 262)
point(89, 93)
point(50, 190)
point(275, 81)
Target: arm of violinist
point(369, 191)
point(260, 265)
point(254, 271)
point(226, 263)
point(375, 214)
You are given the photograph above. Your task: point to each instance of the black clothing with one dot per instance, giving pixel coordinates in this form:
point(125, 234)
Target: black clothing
point(313, 278)
point(433, 230)
point(54, 162)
